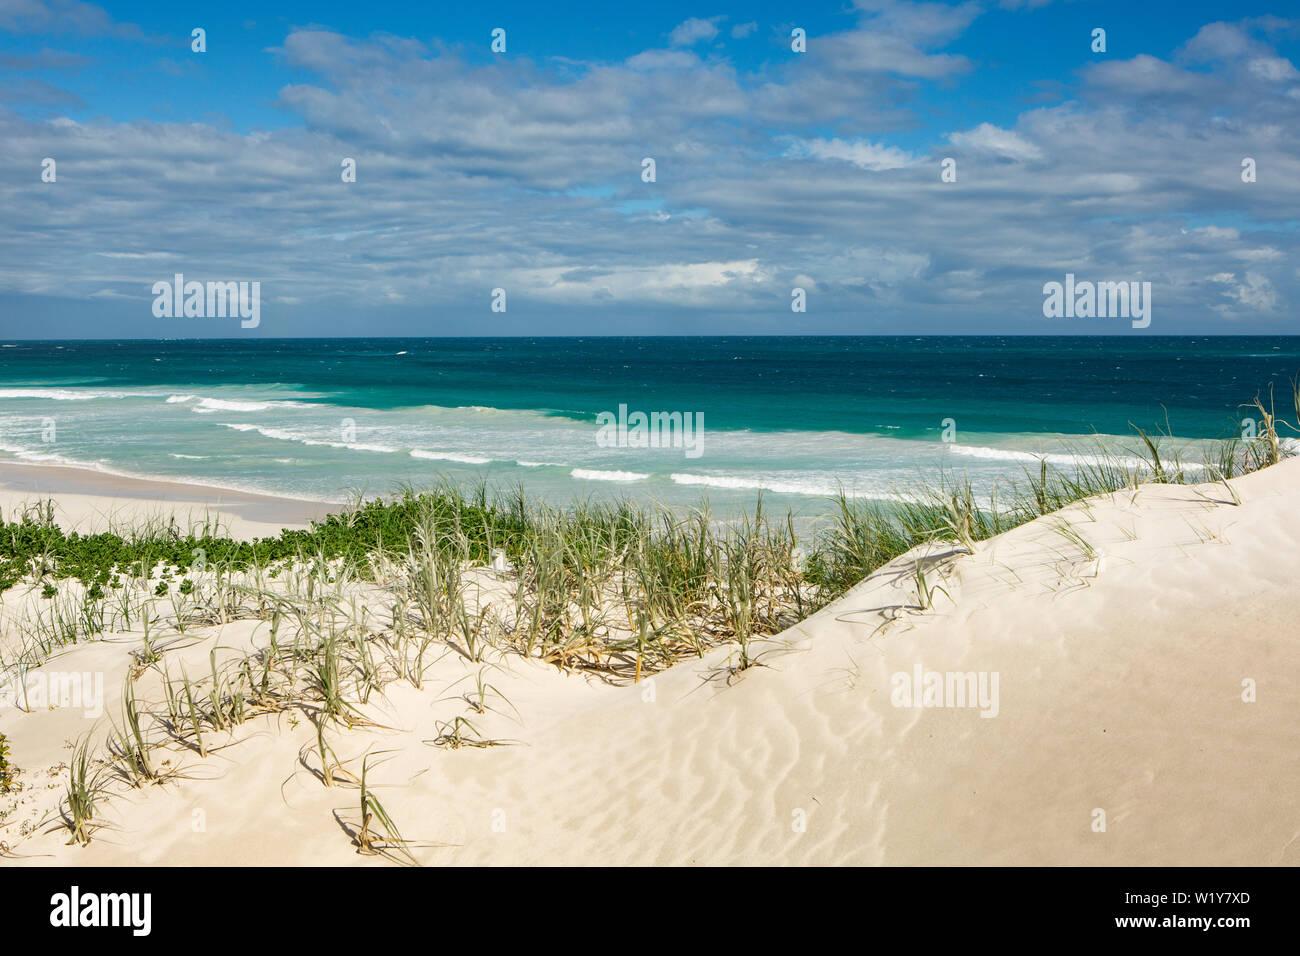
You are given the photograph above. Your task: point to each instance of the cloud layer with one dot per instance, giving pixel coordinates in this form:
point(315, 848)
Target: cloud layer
point(527, 175)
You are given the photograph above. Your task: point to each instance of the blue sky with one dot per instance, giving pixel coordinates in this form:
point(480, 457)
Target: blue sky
point(522, 170)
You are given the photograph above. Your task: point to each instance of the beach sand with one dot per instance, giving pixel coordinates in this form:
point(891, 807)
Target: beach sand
point(88, 500)
point(1119, 735)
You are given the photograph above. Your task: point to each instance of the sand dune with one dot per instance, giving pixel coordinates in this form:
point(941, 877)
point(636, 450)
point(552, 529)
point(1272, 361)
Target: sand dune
point(1119, 668)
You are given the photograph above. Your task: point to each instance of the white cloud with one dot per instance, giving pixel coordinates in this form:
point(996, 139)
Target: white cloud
point(694, 30)
point(1264, 254)
point(987, 138)
point(861, 153)
point(1251, 295)
point(672, 283)
point(63, 16)
point(1273, 69)
point(897, 37)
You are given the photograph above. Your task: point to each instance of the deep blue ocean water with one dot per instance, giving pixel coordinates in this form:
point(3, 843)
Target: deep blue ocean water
point(797, 416)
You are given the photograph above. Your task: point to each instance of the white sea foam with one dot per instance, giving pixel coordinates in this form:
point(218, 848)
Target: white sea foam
point(281, 434)
point(596, 474)
point(68, 394)
point(1068, 460)
point(785, 486)
point(206, 405)
point(209, 405)
point(449, 456)
point(27, 454)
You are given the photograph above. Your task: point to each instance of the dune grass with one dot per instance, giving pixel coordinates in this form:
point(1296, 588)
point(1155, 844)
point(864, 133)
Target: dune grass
point(612, 587)
point(85, 787)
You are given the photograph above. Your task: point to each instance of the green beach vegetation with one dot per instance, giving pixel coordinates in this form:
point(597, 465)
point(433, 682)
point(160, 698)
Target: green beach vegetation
point(6, 768)
point(602, 586)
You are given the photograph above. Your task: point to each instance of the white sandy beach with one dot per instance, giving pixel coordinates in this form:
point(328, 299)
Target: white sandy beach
point(88, 500)
point(1119, 683)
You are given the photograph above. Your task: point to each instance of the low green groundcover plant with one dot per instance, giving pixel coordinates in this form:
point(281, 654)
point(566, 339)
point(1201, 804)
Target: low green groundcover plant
point(6, 768)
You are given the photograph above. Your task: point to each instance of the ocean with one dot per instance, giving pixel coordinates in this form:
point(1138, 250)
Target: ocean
point(797, 417)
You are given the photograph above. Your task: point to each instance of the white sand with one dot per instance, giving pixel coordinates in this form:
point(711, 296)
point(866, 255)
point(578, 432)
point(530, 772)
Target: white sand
point(89, 501)
point(1120, 682)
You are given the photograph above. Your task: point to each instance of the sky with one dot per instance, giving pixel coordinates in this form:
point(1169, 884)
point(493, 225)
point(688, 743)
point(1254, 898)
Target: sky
point(523, 170)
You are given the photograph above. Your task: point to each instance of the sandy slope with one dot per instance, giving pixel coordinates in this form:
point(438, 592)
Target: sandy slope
point(1120, 681)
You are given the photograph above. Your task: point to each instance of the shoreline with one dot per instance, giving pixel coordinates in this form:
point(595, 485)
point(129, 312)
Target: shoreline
point(92, 490)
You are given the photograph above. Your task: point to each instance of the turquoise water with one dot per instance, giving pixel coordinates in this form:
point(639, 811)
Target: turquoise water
point(796, 416)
